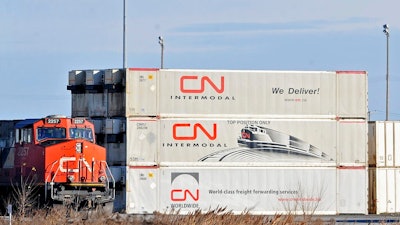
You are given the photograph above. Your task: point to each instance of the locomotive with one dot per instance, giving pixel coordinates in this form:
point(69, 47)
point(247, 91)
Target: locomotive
point(59, 156)
point(266, 139)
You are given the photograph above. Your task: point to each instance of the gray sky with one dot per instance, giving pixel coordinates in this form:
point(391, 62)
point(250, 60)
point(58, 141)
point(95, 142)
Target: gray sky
point(41, 40)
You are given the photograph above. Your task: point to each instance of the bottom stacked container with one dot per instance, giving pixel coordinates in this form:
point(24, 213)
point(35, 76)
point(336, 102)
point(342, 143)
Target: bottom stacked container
point(259, 190)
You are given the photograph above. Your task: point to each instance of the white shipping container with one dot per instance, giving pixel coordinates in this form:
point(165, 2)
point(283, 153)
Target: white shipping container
point(240, 93)
point(202, 141)
point(142, 92)
point(261, 190)
point(352, 147)
point(384, 191)
point(213, 93)
point(352, 190)
point(142, 189)
point(384, 143)
point(352, 94)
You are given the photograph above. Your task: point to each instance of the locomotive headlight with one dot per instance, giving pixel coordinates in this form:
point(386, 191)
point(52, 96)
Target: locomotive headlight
point(78, 147)
point(102, 178)
point(71, 178)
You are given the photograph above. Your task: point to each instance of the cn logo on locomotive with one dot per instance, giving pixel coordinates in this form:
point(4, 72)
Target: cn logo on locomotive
point(64, 160)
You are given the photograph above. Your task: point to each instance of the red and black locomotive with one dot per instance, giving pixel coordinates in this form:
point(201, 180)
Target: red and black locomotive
point(59, 156)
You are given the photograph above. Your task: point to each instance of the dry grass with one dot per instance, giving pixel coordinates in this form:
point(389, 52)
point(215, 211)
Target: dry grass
point(216, 217)
point(222, 217)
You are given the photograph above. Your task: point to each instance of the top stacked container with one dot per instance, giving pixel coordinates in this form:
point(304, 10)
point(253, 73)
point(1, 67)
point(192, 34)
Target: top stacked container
point(219, 93)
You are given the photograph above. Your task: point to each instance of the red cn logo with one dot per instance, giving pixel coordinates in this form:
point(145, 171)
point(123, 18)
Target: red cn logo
point(180, 195)
point(192, 131)
point(203, 80)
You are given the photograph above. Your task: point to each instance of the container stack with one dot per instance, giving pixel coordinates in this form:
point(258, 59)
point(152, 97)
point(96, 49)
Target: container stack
point(384, 166)
point(265, 141)
point(99, 95)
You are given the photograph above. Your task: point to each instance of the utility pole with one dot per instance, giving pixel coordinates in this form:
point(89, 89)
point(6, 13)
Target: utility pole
point(386, 31)
point(161, 42)
point(124, 37)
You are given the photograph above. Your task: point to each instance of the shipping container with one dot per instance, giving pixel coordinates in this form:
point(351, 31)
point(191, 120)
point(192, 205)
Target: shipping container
point(259, 190)
point(76, 77)
point(114, 125)
point(384, 162)
point(114, 77)
point(79, 105)
point(384, 143)
point(384, 191)
point(94, 104)
point(352, 190)
point(99, 104)
point(116, 153)
point(262, 93)
point(98, 125)
point(203, 141)
point(94, 77)
point(142, 187)
point(222, 93)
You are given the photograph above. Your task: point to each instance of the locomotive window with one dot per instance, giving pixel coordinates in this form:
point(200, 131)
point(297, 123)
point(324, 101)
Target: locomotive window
point(83, 133)
point(23, 135)
point(47, 132)
point(28, 135)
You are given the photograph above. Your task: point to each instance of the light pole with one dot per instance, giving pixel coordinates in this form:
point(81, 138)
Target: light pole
point(124, 37)
point(386, 31)
point(161, 42)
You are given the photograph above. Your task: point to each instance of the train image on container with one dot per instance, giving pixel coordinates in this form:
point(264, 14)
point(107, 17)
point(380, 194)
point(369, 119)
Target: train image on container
point(60, 157)
point(266, 139)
